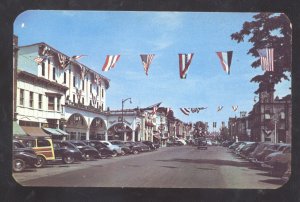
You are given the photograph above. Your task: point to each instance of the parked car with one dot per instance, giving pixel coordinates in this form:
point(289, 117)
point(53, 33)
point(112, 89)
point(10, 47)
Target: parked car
point(258, 149)
point(241, 146)
point(117, 150)
point(260, 156)
point(235, 145)
point(89, 153)
point(101, 147)
point(144, 147)
point(66, 151)
point(150, 144)
point(279, 161)
point(156, 145)
point(245, 151)
point(227, 143)
point(43, 148)
point(124, 149)
point(201, 143)
point(22, 157)
point(134, 148)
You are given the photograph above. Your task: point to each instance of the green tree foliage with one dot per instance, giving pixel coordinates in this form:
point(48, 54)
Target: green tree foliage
point(199, 128)
point(269, 30)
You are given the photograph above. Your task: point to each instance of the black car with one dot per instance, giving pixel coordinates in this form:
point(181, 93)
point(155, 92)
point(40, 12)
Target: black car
point(88, 152)
point(151, 145)
point(124, 148)
point(102, 148)
point(134, 148)
point(22, 157)
point(66, 151)
point(144, 148)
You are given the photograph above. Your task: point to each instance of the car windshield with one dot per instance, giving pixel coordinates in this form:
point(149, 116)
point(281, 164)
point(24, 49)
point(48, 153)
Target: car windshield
point(18, 145)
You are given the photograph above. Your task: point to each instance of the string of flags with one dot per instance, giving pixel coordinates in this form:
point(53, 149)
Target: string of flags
point(187, 111)
point(185, 60)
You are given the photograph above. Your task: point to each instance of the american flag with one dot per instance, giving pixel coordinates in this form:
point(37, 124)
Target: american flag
point(225, 58)
point(235, 108)
point(219, 108)
point(184, 63)
point(76, 57)
point(110, 62)
point(39, 59)
point(146, 60)
point(186, 111)
point(266, 58)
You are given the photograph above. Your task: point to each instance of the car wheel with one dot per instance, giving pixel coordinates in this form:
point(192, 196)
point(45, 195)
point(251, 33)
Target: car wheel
point(40, 162)
point(115, 153)
point(68, 159)
point(18, 165)
point(135, 151)
point(123, 152)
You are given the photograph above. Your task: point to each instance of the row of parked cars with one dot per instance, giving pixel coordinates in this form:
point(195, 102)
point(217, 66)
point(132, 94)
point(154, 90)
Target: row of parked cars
point(274, 157)
point(36, 152)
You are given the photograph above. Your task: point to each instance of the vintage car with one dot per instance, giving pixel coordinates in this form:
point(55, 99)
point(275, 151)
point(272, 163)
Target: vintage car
point(22, 157)
point(201, 143)
point(66, 152)
point(124, 148)
point(137, 147)
point(150, 144)
point(101, 147)
point(88, 152)
point(279, 161)
point(114, 148)
point(43, 148)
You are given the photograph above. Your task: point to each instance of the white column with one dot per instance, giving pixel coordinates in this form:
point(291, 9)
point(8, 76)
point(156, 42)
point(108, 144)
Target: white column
point(133, 136)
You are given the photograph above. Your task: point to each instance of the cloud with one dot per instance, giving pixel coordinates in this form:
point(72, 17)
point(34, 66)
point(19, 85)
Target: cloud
point(168, 20)
point(23, 25)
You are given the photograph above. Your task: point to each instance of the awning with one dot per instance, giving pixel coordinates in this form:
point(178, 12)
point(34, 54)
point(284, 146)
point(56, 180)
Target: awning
point(17, 130)
point(52, 131)
point(62, 132)
point(34, 131)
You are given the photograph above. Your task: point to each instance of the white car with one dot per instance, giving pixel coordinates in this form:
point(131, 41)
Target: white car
point(181, 140)
point(114, 148)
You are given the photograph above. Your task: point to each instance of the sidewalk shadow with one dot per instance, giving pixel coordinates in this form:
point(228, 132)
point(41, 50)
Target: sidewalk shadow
point(211, 161)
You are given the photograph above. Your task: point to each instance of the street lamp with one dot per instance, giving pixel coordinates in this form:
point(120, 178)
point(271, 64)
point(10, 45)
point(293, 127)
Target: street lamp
point(123, 127)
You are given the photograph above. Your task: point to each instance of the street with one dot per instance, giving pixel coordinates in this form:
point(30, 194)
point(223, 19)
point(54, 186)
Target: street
point(171, 167)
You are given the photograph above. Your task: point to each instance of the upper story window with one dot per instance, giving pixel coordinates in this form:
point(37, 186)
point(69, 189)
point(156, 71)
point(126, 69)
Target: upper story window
point(74, 98)
point(43, 69)
point(83, 84)
point(74, 81)
point(21, 96)
point(53, 73)
point(50, 103)
point(31, 99)
point(58, 104)
point(65, 77)
point(40, 101)
point(91, 88)
point(102, 93)
point(82, 100)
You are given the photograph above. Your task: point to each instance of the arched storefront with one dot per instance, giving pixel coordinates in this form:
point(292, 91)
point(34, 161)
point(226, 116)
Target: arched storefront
point(97, 129)
point(118, 131)
point(77, 127)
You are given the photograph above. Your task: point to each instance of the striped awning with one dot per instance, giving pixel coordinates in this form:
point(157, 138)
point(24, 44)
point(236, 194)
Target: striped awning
point(52, 131)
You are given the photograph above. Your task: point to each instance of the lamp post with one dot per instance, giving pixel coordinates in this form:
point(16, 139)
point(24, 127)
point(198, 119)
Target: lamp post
point(123, 101)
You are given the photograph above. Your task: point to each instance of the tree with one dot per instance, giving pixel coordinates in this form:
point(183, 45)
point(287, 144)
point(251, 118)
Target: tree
point(200, 128)
point(269, 30)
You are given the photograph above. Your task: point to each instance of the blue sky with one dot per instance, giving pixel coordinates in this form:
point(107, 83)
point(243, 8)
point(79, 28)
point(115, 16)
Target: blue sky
point(165, 34)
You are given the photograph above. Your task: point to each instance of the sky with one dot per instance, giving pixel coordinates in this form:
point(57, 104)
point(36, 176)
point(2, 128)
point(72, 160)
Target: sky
point(165, 34)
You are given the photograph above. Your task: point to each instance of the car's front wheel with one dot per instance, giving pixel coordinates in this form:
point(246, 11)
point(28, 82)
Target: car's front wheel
point(123, 152)
point(18, 165)
point(115, 153)
point(68, 159)
point(40, 162)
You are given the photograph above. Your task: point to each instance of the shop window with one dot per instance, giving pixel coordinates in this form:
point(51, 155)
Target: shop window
point(50, 103)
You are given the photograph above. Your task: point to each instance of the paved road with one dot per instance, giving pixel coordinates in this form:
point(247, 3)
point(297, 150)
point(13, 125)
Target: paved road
point(172, 167)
